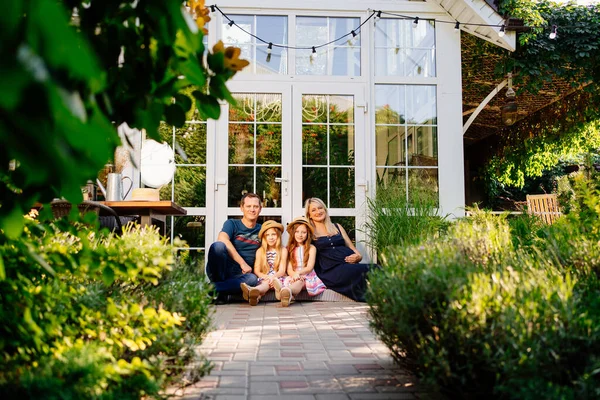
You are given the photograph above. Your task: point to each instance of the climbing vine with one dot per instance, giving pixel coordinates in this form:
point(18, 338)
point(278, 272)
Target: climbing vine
point(568, 127)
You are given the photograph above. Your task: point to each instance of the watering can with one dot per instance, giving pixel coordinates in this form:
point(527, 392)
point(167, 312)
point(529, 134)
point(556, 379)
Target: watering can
point(114, 187)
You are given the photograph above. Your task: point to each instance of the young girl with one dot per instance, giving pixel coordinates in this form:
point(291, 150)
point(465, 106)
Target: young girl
point(271, 260)
point(300, 267)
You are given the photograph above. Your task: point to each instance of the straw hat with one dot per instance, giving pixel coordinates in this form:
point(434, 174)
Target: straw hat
point(268, 225)
point(297, 221)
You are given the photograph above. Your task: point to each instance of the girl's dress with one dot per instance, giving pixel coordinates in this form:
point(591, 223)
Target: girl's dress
point(271, 255)
point(340, 276)
point(312, 283)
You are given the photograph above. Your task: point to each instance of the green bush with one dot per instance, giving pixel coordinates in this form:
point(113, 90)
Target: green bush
point(75, 319)
point(482, 313)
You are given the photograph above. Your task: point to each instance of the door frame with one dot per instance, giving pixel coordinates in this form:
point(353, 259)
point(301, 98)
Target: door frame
point(291, 153)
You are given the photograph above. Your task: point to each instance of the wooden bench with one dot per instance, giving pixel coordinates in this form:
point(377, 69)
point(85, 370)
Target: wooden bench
point(544, 206)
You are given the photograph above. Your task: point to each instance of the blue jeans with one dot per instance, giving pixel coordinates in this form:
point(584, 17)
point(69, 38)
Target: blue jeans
point(225, 276)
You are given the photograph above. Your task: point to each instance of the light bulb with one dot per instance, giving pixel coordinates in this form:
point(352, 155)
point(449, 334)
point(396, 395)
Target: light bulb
point(457, 27)
point(352, 40)
point(269, 49)
point(502, 31)
point(230, 24)
point(313, 55)
point(378, 16)
point(553, 33)
point(416, 22)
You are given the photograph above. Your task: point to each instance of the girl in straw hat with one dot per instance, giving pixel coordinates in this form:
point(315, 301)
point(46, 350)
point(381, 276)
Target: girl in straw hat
point(270, 264)
point(302, 255)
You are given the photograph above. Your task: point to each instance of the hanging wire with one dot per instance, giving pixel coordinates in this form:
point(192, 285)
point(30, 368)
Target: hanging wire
point(355, 31)
point(376, 15)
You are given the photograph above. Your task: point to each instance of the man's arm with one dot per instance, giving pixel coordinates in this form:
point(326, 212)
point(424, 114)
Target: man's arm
point(224, 237)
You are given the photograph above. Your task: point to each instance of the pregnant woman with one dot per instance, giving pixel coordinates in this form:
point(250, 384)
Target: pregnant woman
point(337, 259)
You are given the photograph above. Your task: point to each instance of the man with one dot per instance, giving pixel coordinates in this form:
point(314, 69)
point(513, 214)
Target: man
point(231, 258)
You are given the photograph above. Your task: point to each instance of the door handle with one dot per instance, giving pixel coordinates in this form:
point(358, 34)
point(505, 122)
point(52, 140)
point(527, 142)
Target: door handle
point(284, 181)
point(279, 180)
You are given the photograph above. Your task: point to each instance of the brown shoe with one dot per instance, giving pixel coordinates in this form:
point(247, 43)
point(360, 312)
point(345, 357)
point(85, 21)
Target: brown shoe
point(245, 289)
point(286, 297)
point(277, 287)
point(253, 296)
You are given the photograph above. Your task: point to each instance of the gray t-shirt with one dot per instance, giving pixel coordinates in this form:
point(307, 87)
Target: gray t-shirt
point(244, 239)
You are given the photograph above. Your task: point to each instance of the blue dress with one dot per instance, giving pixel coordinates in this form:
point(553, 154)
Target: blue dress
point(338, 275)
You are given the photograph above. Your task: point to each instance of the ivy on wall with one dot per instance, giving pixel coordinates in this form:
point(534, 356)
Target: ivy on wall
point(565, 128)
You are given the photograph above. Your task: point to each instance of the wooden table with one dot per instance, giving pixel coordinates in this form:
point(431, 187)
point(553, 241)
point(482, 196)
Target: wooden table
point(147, 210)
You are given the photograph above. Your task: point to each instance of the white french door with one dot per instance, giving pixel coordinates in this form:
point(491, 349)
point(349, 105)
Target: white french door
point(288, 142)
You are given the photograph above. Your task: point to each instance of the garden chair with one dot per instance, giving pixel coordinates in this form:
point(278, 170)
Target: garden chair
point(62, 208)
point(543, 205)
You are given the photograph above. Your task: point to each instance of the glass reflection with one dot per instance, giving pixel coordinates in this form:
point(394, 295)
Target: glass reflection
point(192, 139)
point(341, 187)
point(267, 188)
point(423, 187)
point(421, 104)
point(314, 144)
point(401, 49)
point(338, 59)
point(190, 186)
point(269, 28)
point(241, 181)
point(268, 144)
point(341, 145)
point(241, 144)
point(314, 183)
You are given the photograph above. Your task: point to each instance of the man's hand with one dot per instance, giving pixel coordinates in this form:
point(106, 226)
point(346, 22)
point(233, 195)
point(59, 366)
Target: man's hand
point(246, 268)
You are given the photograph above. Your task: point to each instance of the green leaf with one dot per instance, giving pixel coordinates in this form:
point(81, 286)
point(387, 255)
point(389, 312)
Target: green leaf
point(108, 275)
point(218, 88)
point(13, 223)
point(183, 101)
point(216, 62)
point(2, 270)
point(193, 71)
point(208, 106)
point(175, 115)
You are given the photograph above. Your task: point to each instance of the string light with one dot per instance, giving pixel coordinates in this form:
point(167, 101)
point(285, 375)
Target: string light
point(553, 33)
point(352, 40)
point(376, 16)
point(269, 49)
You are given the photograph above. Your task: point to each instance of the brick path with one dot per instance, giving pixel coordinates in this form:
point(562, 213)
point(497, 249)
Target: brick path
point(308, 351)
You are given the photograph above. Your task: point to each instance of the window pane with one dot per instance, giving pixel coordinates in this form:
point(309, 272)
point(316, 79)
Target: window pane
point(341, 145)
point(341, 109)
point(192, 139)
point(241, 144)
point(389, 104)
point(338, 59)
point(241, 181)
point(190, 186)
point(191, 229)
point(391, 179)
point(268, 144)
point(403, 49)
point(349, 225)
point(314, 183)
point(421, 104)
point(389, 142)
point(314, 144)
point(243, 110)
point(425, 146)
point(342, 187)
point(269, 28)
point(268, 107)
point(423, 186)
point(314, 108)
point(267, 187)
